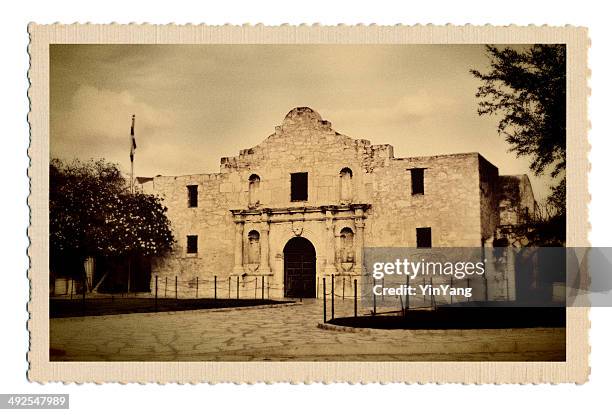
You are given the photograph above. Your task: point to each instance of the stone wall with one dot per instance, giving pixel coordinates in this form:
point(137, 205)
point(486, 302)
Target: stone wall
point(447, 205)
point(489, 200)
point(306, 145)
point(210, 221)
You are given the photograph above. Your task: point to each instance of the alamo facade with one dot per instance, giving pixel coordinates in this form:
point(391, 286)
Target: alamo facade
point(301, 205)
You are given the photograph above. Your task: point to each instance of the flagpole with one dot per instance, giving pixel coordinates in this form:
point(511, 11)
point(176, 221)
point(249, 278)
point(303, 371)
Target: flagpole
point(132, 148)
point(132, 176)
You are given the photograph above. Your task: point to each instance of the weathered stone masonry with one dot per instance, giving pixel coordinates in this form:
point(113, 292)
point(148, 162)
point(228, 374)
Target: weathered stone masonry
point(358, 194)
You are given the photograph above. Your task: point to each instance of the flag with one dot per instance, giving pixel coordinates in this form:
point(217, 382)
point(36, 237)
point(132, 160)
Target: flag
point(132, 139)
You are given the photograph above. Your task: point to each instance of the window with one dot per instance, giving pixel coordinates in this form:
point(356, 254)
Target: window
point(299, 187)
point(423, 237)
point(418, 182)
point(192, 195)
point(192, 244)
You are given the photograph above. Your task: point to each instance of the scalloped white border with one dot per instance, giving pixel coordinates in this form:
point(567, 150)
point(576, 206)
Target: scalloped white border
point(575, 369)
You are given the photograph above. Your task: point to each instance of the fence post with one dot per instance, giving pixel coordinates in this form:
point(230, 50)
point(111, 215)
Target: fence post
point(176, 287)
point(423, 279)
point(197, 285)
point(215, 287)
point(229, 287)
point(71, 287)
point(156, 293)
point(263, 284)
point(407, 292)
point(374, 298)
point(355, 295)
point(432, 298)
point(324, 302)
point(237, 288)
point(268, 289)
point(343, 280)
point(333, 294)
point(451, 286)
point(255, 295)
point(166, 288)
point(84, 291)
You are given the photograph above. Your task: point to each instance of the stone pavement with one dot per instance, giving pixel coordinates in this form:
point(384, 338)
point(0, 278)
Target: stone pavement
point(281, 334)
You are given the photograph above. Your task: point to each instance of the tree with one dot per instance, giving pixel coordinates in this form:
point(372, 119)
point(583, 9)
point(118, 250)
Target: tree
point(92, 213)
point(528, 89)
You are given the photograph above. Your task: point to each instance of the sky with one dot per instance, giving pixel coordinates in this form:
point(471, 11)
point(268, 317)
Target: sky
point(197, 103)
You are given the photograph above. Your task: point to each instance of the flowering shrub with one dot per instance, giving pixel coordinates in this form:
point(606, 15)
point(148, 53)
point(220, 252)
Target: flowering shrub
point(92, 213)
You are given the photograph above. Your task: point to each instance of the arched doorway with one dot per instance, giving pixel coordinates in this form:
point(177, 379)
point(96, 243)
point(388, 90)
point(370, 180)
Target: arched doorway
point(300, 268)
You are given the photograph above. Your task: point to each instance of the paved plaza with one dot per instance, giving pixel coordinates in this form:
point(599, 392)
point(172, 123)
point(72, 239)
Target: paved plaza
point(283, 333)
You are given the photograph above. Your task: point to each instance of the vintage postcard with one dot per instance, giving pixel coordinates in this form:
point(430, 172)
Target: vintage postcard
point(307, 203)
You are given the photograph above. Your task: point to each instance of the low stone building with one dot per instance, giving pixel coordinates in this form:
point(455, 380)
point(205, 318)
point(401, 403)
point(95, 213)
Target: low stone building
point(302, 204)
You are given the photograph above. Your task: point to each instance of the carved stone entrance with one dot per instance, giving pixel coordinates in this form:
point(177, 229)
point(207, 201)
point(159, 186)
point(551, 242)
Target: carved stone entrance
point(300, 268)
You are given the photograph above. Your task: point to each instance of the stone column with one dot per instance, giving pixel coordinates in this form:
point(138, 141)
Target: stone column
point(330, 255)
point(359, 242)
point(264, 243)
point(278, 284)
point(238, 249)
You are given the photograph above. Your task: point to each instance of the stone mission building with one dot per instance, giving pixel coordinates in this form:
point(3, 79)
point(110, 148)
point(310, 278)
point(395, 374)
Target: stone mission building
point(302, 204)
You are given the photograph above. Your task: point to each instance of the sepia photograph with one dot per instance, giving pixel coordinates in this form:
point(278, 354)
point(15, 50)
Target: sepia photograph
point(262, 207)
point(307, 202)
